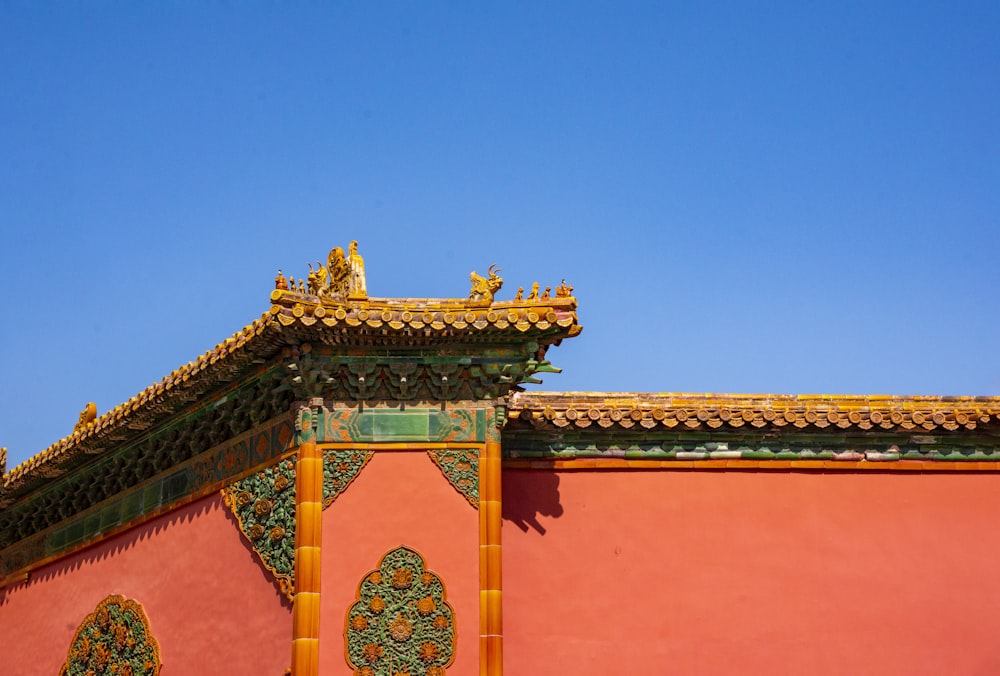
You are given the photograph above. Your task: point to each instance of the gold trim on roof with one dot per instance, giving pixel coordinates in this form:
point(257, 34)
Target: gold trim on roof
point(437, 314)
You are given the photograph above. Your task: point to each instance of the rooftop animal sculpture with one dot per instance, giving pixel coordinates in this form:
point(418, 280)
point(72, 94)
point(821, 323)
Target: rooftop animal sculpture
point(87, 417)
point(317, 278)
point(342, 278)
point(483, 288)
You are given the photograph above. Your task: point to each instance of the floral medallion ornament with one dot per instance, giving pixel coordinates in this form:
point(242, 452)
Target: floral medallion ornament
point(401, 622)
point(114, 639)
point(461, 468)
point(264, 506)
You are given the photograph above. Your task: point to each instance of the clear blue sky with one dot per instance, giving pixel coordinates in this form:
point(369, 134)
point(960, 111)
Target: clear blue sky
point(800, 198)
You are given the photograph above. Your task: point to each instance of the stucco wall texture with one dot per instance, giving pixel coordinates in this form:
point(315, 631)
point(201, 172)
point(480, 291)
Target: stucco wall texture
point(694, 572)
point(400, 498)
point(211, 606)
point(682, 572)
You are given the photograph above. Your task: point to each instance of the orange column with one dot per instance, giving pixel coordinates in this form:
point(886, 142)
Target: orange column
point(308, 533)
point(490, 600)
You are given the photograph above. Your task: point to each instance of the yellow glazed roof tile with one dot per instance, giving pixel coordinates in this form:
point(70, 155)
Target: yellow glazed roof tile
point(122, 413)
point(668, 410)
point(330, 307)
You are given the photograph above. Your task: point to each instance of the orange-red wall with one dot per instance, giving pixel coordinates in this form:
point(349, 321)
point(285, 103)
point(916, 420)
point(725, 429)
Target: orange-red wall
point(604, 572)
point(210, 605)
point(694, 572)
point(400, 498)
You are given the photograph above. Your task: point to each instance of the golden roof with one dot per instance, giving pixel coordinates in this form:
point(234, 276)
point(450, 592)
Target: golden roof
point(321, 312)
point(333, 308)
point(434, 315)
point(142, 404)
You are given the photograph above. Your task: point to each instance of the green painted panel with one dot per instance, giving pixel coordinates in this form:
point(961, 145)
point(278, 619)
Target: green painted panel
point(400, 425)
point(111, 515)
point(74, 532)
point(438, 424)
point(151, 497)
point(92, 525)
point(364, 423)
point(57, 541)
point(132, 506)
point(176, 485)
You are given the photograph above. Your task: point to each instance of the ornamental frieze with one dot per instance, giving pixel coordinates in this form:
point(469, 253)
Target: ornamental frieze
point(377, 424)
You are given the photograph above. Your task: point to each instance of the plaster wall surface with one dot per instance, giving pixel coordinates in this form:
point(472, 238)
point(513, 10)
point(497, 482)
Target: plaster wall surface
point(696, 572)
point(211, 606)
point(400, 498)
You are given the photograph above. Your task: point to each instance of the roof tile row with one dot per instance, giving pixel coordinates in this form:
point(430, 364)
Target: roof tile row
point(713, 411)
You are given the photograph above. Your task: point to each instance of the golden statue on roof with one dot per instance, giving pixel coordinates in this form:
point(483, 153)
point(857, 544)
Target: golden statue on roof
point(564, 290)
point(342, 278)
point(483, 288)
point(356, 286)
point(87, 417)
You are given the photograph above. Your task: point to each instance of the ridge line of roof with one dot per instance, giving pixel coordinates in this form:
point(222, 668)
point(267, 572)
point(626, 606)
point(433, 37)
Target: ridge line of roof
point(584, 395)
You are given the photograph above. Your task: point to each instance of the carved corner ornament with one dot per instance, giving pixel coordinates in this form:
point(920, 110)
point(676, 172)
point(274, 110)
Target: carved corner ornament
point(340, 468)
point(401, 621)
point(264, 507)
point(461, 469)
point(484, 288)
point(114, 639)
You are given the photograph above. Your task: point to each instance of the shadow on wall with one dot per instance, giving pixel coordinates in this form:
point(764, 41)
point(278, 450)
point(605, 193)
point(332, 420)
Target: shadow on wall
point(528, 495)
point(117, 544)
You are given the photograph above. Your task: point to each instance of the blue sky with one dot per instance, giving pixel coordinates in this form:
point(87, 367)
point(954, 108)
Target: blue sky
point(790, 198)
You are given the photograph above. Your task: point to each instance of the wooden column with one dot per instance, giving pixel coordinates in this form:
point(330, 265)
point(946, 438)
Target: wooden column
point(308, 535)
point(490, 600)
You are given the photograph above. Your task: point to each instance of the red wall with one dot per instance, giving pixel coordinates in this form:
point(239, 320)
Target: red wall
point(400, 498)
point(742, 572)
point(210, 605)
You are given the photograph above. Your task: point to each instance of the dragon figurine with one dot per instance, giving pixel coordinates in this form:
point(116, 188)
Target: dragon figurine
point(483, 288)
point(342, 278)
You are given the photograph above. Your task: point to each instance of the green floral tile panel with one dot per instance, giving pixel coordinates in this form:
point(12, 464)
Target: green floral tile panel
point(401, 621)
point(340, 468)
point(264, 506)
point(114, 639)
point(461, 468)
